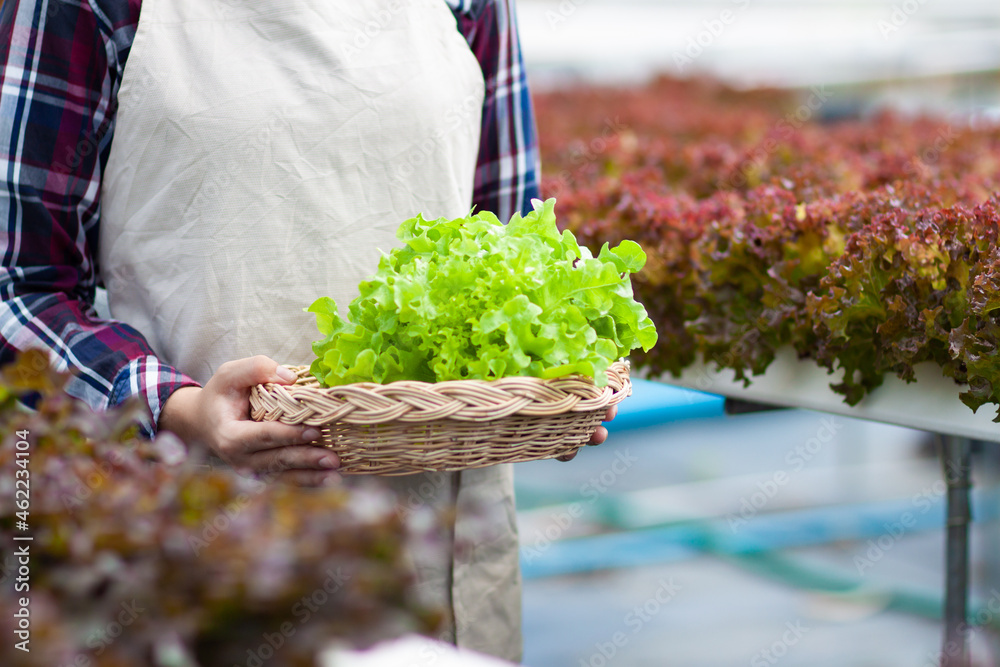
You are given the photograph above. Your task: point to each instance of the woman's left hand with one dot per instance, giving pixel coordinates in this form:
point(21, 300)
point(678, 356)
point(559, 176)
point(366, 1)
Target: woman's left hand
point(600, 435)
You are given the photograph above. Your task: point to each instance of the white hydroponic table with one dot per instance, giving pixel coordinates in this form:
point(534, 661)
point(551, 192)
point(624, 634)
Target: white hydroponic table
point(930, 404)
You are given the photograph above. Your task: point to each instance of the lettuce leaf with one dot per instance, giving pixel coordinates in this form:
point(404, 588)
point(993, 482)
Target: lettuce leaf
point(472, 298)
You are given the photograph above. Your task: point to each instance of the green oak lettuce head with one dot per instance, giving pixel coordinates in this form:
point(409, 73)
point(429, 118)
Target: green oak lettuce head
point(473, 298)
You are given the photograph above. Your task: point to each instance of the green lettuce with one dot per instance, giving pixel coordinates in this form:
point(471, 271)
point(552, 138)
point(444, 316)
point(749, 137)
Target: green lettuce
point(472, 298)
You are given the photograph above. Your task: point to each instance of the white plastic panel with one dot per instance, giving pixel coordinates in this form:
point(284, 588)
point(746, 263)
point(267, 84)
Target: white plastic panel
point(931, 403)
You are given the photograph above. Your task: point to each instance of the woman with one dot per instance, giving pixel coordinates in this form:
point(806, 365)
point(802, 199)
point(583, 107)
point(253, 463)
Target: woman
point(219, 164)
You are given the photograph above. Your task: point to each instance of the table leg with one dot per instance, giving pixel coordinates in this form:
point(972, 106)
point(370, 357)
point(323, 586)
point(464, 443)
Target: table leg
point(956, 460)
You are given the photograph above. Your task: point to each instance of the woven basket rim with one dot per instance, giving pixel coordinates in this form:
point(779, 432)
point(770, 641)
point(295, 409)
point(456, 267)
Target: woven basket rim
point(401, 428)
point(306, 402)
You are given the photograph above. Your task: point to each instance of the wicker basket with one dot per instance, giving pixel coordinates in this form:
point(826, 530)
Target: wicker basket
point(403, 428)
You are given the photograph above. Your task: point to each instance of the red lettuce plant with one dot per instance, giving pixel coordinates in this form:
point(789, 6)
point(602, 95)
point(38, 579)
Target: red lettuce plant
point(865, 245)
point(140, 556)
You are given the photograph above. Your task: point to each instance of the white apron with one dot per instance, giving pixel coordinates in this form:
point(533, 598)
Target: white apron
point(264, 152)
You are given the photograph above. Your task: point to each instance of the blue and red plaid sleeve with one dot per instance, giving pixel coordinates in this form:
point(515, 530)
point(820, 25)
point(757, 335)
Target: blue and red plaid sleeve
point(60, 67)
point(508, 170)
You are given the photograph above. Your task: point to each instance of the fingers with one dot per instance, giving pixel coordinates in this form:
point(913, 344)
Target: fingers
point(568, 457)
point(302, 457)
point(304, 465)
point(272, 448)
point(249, 437)
point(244, 373)
point(611, 414)
point(599, 436)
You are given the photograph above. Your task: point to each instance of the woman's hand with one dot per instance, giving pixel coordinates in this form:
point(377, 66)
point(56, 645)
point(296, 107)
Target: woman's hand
point(217, 416)
point(600, 435)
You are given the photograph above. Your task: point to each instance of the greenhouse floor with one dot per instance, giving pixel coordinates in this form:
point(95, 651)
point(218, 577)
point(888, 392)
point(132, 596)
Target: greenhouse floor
point(844, 597)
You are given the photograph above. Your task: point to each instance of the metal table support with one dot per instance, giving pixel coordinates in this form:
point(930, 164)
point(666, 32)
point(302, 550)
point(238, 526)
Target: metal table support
point(956, 461)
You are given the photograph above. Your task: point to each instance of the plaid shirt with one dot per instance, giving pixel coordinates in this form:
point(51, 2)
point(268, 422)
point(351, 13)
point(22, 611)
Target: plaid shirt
point(61, 64)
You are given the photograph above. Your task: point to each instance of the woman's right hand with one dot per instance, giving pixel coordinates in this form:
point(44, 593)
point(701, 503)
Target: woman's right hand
point(217, 416)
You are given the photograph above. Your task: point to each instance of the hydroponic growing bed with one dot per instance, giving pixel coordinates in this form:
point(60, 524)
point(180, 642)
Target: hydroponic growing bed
point(867, 246)
point(846, 266)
